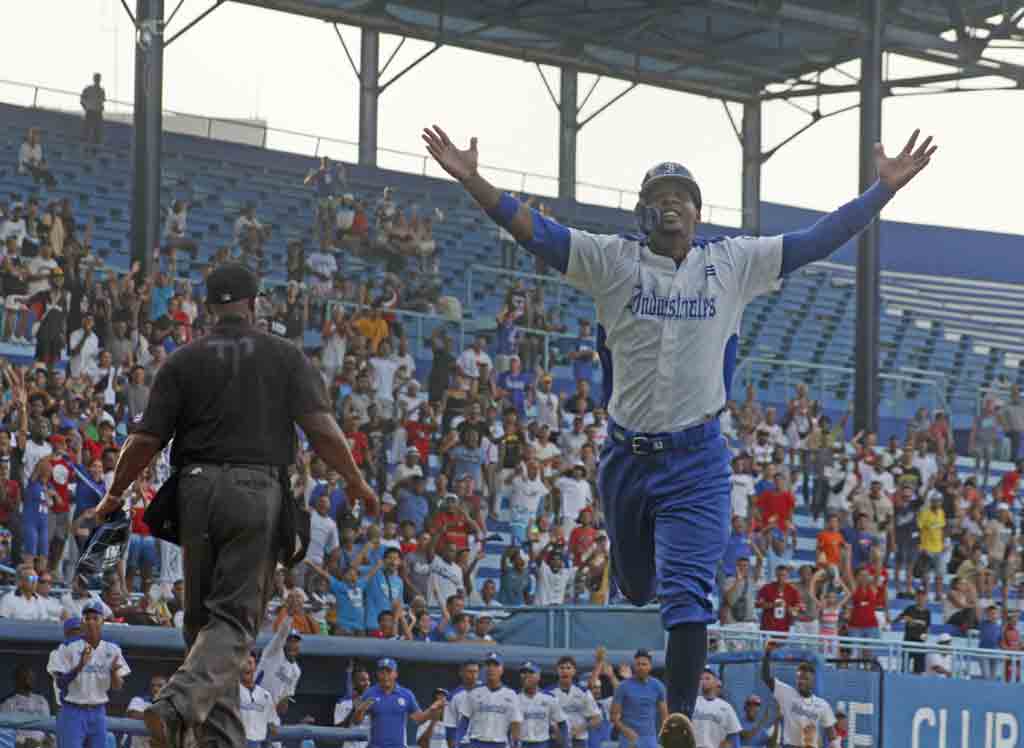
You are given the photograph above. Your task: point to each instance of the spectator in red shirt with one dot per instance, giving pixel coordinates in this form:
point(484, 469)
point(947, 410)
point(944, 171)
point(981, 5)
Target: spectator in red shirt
point(356, 440)
point(879, 576)
point(865, 601)
point(59, 519)
point(1009, 485)
point(582, 538)
point(418, 433)
point(776, 506)
point(779, 602)
point(142, 550)
point(10, 492)
point(452, 524)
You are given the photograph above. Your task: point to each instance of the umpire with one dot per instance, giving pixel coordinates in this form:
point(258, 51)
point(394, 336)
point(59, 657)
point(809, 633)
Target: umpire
point(231, 401)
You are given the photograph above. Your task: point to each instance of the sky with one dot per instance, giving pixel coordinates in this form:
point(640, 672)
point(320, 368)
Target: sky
point(292, 72)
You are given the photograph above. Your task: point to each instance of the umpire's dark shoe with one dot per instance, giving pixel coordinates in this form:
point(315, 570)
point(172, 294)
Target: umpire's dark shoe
point(166, 728)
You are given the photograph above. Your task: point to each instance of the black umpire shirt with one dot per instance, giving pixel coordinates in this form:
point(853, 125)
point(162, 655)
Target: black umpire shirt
point(233, 396)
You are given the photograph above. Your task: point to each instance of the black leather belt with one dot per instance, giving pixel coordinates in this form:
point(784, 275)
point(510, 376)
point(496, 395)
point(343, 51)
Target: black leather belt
point(642, 445)
point(271, 470)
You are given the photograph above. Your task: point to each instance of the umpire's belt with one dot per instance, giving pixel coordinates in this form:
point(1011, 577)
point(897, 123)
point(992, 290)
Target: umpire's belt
point(642, 444)
point(272, 470)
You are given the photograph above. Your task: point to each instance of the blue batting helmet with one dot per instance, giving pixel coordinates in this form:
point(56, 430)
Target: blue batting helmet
point(647, 216)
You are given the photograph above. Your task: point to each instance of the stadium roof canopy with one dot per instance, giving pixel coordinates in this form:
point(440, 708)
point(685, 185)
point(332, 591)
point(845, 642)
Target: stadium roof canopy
point(739, 50)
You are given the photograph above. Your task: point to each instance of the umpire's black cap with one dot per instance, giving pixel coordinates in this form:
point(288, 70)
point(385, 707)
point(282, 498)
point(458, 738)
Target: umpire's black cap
point(230, 282)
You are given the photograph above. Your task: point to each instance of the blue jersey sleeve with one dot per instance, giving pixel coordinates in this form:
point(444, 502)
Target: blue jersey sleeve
point(832, 231)
point(411, 705)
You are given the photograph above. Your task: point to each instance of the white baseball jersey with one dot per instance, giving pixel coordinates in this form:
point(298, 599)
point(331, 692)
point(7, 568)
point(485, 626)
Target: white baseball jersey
point(713, 721)
point(799, 714)
point(578, 706)
point(256, 708)
point(491, 713)
point(91, 686)
point(274, 672)
point(742, 491)
point(437, 737)
point(540, 711)
point(455, 709)
point(341, 711)
point(668, 328)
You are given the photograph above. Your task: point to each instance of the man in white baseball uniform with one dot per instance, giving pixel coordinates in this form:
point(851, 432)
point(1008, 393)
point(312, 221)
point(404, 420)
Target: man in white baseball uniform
point(345, 706)
point(669, 307)
point(278, 670)
point(492, 715)
point(256, 707)
point(714, 720)
point(86, 669)
point(577, 704)
point(804, 715)
point(540, 711)
point(455, 735)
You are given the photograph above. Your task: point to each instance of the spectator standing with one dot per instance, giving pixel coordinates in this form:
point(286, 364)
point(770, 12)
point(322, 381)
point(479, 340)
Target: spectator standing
point(514, 588)
point(554, 580)
point(92, 100)
point(983, 441)
point(931, 521)
point(940, 663)
point(1011, 417)
point(779, 602)
point(866, 602)
point(990, 632)
point(714, 720)
point(86, 669)
point(639, 707)
point(25, 700)
point(175, 228)
point(739, 594)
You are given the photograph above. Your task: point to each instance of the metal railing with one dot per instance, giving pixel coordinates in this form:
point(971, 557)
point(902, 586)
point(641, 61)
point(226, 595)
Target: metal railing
point(892, 654)
point(282, 139)
point(934, 383)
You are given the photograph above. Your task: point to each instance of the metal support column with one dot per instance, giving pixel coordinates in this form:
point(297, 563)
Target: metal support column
point(147, 130)
point(568, 128)
point(369, 94)
point(867, 386)
point(751, 141)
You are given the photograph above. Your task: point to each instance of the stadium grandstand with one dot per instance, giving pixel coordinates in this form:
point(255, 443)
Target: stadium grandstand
point(884, 546)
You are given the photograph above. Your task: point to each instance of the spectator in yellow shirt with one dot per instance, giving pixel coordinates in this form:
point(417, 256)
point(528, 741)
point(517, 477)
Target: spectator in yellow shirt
point(373, 327)
point(931, 521)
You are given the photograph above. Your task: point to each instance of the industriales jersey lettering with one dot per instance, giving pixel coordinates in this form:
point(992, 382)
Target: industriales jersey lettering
point(540, 711)
point(713, 721)
point(672, 331)
point(491, 713)
point(577, 705)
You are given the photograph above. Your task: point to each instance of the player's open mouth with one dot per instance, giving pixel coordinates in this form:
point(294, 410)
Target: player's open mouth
point(670, 214)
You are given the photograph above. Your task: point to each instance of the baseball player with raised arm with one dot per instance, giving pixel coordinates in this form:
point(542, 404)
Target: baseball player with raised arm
point(714, 720)
point(540, 711)
point(669, 304)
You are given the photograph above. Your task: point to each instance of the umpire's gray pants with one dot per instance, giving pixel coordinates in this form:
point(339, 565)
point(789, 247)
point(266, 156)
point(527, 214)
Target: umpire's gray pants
point(229, 521)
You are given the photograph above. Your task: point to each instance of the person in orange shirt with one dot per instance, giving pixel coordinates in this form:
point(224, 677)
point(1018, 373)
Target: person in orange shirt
point(831, 541)
point(301, 622)
point(1009, 485)
point(372, 326)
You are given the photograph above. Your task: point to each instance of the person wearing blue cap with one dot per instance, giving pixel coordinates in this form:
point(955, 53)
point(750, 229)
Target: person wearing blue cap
point(540, 711)
point(86, 669)
point(390, 706)
point(640, 705)
point(492, 717)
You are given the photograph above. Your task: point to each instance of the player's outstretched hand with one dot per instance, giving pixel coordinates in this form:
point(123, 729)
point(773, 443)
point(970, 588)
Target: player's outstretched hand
point(897, 171)
point(109, 505)
point(458, 163)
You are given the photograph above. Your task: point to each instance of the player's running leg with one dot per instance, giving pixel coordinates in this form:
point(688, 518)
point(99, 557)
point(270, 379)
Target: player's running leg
point(690, 493)
point(621, 479)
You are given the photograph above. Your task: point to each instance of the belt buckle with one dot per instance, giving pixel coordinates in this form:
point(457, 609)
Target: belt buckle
point(641, 446)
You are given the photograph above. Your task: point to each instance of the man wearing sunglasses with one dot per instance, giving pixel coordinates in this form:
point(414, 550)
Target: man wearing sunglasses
point(23, 604)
